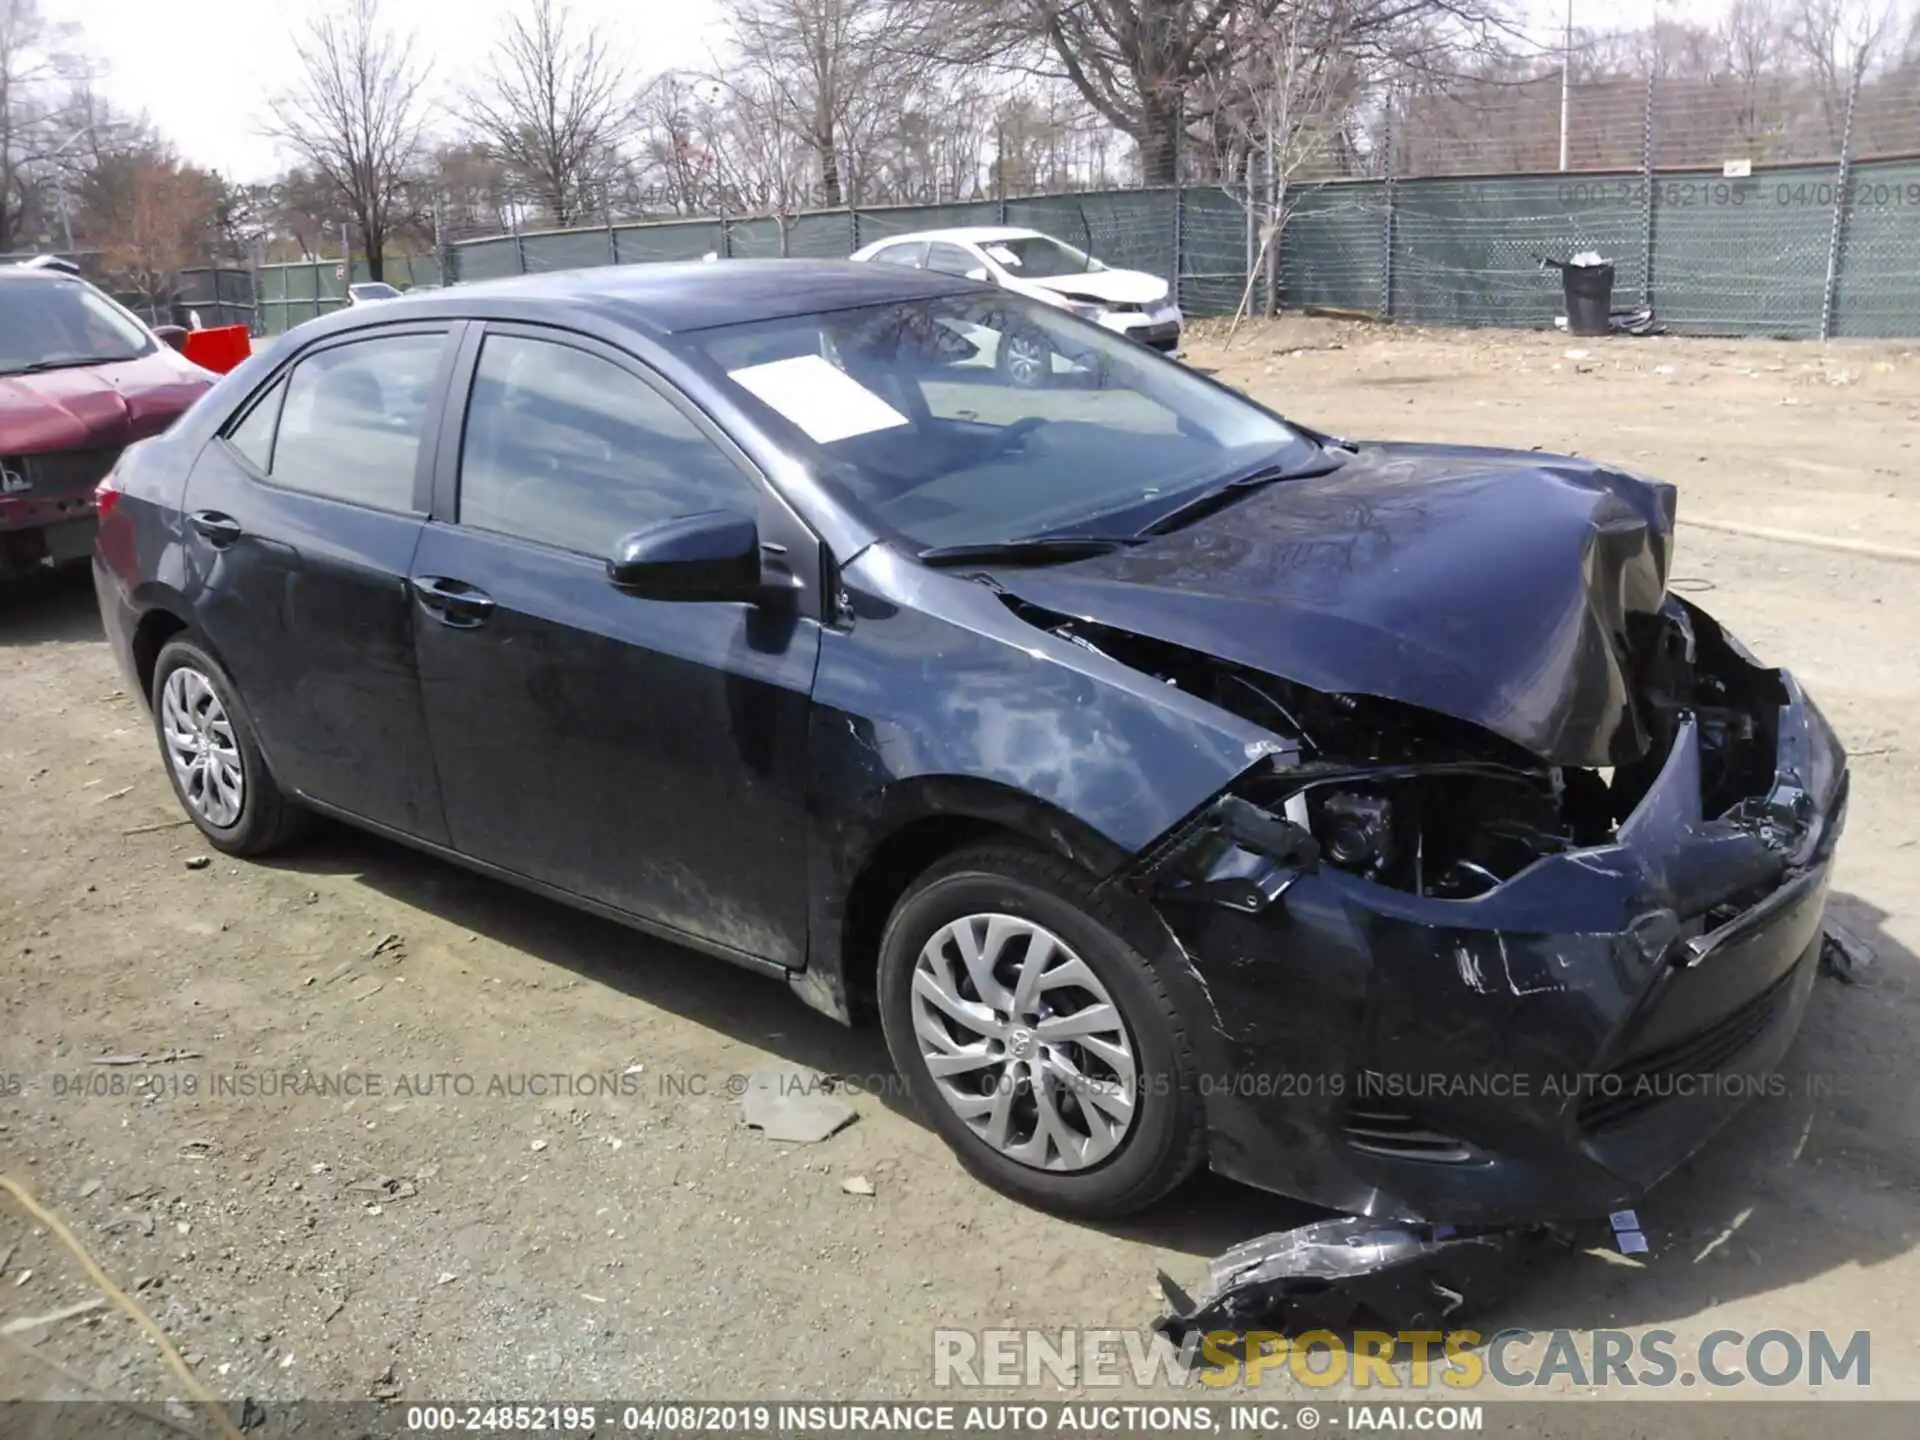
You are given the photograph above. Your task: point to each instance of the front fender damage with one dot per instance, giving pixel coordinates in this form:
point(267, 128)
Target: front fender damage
point(1458, 992)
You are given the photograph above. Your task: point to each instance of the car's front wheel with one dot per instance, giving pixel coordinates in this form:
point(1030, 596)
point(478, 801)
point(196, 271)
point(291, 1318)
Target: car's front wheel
point(1025, 357)
point(1036, 1036)
point(213, 756)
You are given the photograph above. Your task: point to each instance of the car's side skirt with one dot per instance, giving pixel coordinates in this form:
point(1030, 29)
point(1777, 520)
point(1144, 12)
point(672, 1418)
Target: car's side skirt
point(719, 951)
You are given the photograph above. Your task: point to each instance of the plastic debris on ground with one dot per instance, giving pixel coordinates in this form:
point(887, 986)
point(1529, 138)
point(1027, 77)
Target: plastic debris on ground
point(1844, 955)
point(1627, 1233)
point(1624, 322)
point(1321, 1275)
point(792, 1104)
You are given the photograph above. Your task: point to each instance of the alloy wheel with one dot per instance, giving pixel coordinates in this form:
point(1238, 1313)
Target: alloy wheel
point(201, 747)
point(1028, 360)
point(1023, 1041)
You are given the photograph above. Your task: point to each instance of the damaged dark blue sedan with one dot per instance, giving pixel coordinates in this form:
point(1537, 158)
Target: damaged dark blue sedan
point(1177, 785)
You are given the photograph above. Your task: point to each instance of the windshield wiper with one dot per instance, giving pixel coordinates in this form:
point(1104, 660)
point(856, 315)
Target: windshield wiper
point(1218, 497)
point(1033, 550)
point(68, 363)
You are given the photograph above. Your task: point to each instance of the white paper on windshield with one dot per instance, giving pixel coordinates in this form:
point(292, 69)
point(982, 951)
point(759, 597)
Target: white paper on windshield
point(825, 402)
point(1005, 256)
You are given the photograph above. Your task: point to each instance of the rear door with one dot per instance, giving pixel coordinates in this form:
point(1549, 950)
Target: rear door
point(647, 755)
point(301, 523)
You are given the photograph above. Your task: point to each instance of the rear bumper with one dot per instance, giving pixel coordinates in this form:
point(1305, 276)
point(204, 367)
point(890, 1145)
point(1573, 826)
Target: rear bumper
point(1549, 1049)
point(28, 547)
point(119, 619)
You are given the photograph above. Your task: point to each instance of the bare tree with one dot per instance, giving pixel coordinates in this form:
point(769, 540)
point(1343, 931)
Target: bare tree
point(677, 123)
point(37, 123)
point(762, 166)
point(1145, 65)
point(1753, 40)
point(830, 72)
point(357, 119)
point(554, 106)
point(1281, 113)
point(1840, 39)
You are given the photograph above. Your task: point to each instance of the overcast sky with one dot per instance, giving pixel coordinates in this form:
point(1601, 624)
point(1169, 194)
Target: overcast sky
point(203, 70)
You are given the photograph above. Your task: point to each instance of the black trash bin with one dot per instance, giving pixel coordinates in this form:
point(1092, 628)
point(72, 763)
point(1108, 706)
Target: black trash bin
point(1589, 293)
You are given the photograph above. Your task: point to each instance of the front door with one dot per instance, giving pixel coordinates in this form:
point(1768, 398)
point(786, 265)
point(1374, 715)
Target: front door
point(648, 755)
point(302, 521)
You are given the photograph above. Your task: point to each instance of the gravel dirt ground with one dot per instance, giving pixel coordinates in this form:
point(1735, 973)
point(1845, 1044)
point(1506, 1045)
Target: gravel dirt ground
point(528, 1176)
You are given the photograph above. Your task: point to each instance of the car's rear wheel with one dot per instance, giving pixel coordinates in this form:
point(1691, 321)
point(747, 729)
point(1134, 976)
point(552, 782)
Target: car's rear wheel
point(1036, 1036)
point(213, 757)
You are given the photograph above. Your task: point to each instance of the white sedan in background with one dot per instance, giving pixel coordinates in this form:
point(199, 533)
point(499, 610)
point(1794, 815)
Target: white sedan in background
point(370, 292)
point(1129, 302)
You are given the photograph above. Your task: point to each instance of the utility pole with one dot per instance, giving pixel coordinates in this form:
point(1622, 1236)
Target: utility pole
point(1566, 84)
point(60, 190)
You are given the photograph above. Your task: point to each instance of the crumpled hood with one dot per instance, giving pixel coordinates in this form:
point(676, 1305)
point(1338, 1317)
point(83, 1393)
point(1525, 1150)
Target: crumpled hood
point(1493, 586)
point(97, 406)
point(1120, 287)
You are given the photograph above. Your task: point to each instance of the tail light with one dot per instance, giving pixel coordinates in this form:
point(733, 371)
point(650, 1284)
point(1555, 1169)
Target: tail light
point(107, 494)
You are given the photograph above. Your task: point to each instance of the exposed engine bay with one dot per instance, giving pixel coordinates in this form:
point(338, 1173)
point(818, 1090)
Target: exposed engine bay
point(1442, 808)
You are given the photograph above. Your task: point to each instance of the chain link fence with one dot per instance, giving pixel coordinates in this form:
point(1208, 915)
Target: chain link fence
point(1793, 251)
point(1729, 206)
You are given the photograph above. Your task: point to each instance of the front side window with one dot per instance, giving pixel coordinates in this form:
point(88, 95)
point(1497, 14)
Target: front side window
point(353, 419)
point(50, 323)
point(971, 419)
point(569, 449)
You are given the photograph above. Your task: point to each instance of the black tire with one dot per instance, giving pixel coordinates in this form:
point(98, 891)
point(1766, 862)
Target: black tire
point(1166, 1142)
point(268, 817)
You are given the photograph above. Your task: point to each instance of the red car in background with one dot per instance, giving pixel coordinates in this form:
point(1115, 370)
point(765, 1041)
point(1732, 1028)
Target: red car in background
point(80, 380)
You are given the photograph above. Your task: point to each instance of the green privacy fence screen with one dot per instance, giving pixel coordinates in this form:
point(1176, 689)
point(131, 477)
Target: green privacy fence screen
point(1786, 251)
point(304, 290)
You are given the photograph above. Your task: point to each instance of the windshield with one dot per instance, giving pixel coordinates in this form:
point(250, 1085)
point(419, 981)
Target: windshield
point(64, 322)
point(973, 419)
point(1039, 257)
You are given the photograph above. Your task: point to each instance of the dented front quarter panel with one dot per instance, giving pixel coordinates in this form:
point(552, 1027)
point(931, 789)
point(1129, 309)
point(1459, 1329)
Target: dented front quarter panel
point(1506, 1020)
point(932, 699)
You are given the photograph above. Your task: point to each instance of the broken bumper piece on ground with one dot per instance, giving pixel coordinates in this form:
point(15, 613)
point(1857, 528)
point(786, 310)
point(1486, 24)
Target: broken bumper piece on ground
point(1333, 1272)
point(1843, 954)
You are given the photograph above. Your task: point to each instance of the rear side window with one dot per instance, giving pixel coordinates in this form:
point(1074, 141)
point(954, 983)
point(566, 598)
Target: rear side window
point(352, 420)
point(910, 253)
point(571, 450)
point(253, 436)
point(951, 260)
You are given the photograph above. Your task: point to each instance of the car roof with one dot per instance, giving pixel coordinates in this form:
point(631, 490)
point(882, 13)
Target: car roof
point(691, 295)
point(967, 234)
